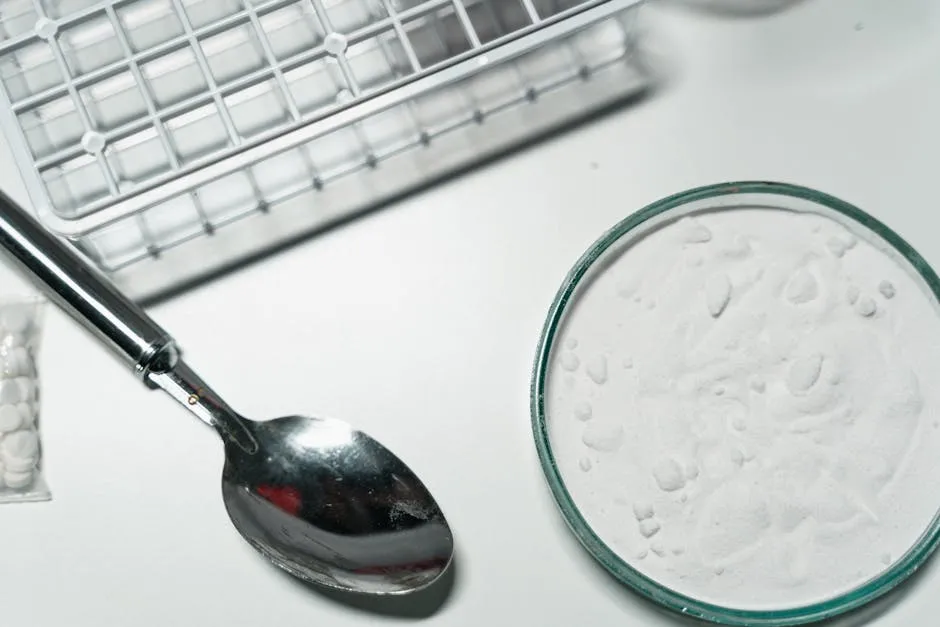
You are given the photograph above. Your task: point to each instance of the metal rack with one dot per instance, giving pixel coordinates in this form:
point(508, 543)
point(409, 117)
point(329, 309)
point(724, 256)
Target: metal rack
point(171, 138)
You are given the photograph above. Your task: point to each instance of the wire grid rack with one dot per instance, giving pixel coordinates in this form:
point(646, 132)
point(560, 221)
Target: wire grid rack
point(171, 138)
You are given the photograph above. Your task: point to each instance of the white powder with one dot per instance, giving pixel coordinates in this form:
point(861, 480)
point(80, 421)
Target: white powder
point(771, 439)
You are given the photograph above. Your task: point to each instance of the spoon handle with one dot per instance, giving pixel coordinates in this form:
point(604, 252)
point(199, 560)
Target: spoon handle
point(85, 294)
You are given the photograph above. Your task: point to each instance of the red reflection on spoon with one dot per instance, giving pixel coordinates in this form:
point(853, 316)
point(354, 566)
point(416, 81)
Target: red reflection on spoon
point(284, 498)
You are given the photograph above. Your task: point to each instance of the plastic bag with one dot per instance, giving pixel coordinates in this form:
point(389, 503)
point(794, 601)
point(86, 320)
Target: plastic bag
point(20, 445)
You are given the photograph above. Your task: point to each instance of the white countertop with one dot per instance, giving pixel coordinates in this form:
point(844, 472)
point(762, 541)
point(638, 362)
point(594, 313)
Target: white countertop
point(419, 323)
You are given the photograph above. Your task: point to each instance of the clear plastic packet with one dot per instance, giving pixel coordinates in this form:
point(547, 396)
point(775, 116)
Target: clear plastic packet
point(21, 477)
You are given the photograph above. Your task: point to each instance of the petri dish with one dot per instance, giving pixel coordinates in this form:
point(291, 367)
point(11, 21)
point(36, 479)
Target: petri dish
point(881, 502)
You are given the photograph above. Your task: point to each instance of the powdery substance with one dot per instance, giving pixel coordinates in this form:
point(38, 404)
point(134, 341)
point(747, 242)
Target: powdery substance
point(770, 441)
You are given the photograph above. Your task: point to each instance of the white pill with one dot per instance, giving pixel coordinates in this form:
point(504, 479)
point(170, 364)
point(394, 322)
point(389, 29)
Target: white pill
point(12, 340)
point(17, 319)
point(19, 445)
point(21, 465)
point(10, 392)
point(16, 362)
point(26, 387)
point(18, 480)
point(10, 418)
point(28, 413)
point(24, 360)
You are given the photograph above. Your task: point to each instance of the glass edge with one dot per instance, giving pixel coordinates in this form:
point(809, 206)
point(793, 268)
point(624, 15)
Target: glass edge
point(623, 572)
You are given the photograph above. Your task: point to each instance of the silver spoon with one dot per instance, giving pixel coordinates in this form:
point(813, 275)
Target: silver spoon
point(319, 499)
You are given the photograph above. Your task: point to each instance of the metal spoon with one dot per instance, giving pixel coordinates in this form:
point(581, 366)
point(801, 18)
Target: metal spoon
point(324, 502)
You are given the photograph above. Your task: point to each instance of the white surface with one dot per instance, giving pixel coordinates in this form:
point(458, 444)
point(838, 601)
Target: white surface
point(419, 325)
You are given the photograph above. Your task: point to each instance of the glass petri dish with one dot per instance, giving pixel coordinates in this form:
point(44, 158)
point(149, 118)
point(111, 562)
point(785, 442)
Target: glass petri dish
point(578, 508)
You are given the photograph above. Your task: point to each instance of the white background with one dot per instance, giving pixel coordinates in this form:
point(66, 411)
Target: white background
point(418, 324)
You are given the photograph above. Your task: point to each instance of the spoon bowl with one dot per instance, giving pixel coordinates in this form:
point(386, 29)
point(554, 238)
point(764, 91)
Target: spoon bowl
point(331, 505)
